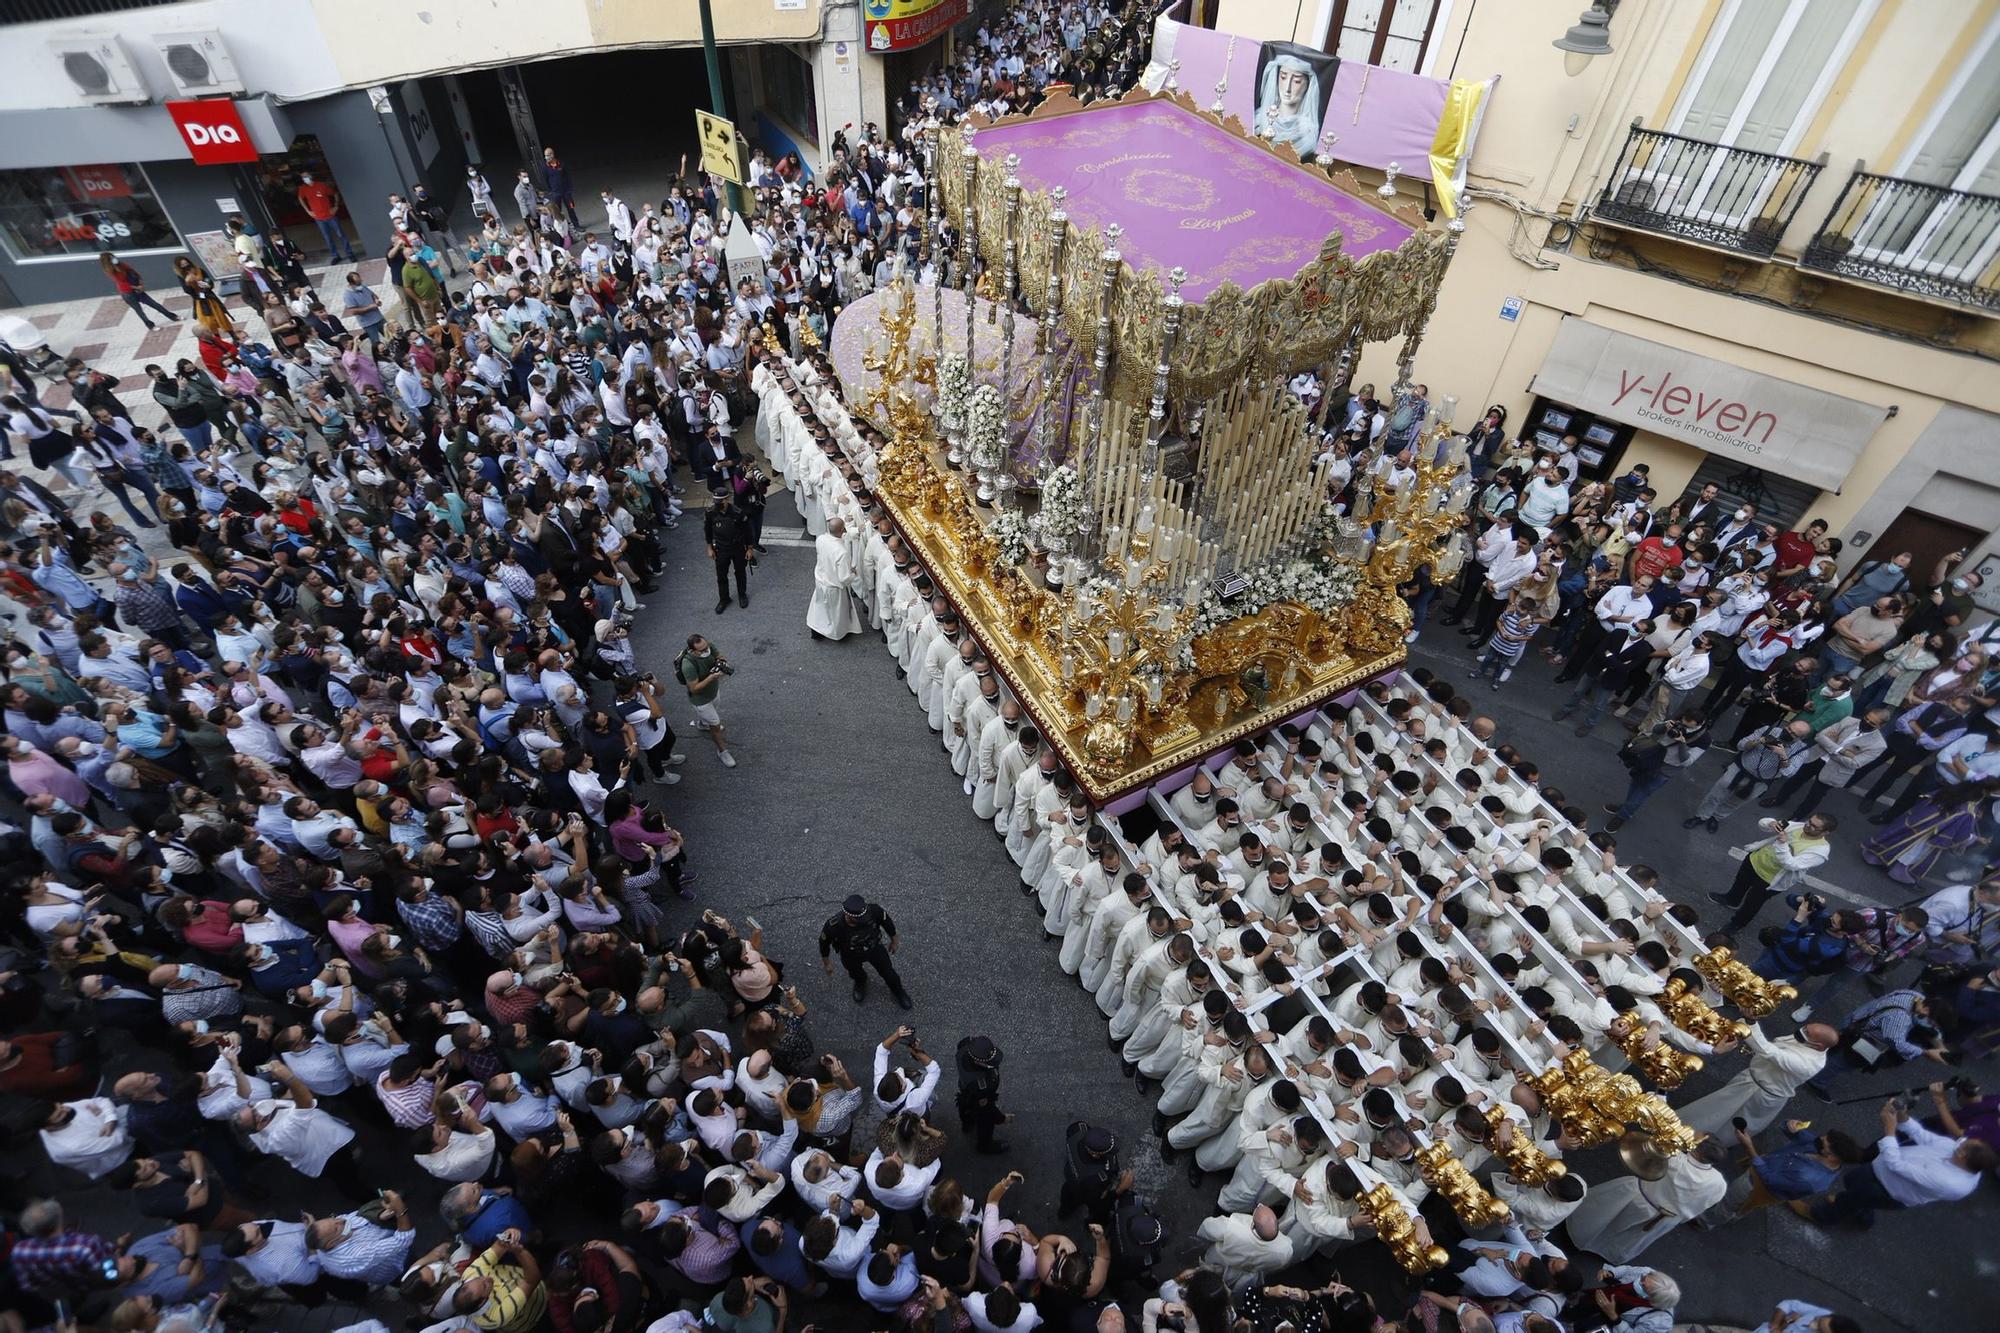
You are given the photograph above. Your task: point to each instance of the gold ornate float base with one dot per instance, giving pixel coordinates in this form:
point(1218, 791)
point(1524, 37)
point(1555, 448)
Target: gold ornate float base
point(1248, 674)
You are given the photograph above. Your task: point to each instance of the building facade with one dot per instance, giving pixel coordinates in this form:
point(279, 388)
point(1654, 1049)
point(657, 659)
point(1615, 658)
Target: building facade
point(1757, 243)
point(375, 98)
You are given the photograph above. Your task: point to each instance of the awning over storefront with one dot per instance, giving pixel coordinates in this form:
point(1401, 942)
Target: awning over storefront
point(1771, 423)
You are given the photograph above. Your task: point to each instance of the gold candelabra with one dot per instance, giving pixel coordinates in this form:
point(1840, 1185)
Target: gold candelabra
point(1525, 1162)
point(1664, 1066)
point(897, 364)
point(1116, 648)
point(1406, 1238)
point(1409, 526)
point(1754, 996)
point(1448, 1176)
point(1686, 1010)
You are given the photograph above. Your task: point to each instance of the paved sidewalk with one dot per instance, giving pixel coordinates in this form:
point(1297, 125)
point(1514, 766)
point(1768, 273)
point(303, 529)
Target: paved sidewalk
point(110, 336)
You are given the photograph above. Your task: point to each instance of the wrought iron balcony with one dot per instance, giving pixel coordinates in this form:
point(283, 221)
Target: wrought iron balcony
point(1917, 238)
point(1731, 198)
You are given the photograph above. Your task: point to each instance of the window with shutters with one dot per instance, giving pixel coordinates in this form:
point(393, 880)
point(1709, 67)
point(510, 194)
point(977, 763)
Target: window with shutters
point(1762, 75)
point(1394, 34)
point(1956, 155)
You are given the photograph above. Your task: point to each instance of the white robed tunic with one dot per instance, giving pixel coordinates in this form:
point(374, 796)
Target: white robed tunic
point(832, 611)
point(1620, 1219)
point(1761, 1090)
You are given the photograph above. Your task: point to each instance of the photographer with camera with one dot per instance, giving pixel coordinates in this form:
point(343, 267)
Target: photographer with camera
point(701, 667)
point(1902, 1026)
point(1652, 758)
point(639, 704)
point(1762, 757)
point(1813, 943)
point(1774, 864)
point(1913, 1166)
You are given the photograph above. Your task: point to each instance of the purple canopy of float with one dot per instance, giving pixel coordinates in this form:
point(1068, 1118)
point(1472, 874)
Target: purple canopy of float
point(1189, 193)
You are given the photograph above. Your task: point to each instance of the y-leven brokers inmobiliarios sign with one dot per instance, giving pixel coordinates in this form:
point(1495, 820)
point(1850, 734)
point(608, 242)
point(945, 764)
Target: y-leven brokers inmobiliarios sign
point(1774, 423)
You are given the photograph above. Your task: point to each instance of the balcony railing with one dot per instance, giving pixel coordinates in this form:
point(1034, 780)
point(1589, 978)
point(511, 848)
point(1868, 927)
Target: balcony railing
point(1731, 198)
point(1922, 239)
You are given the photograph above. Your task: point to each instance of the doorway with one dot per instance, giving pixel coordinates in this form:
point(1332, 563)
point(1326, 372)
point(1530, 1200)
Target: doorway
point(1927, 538)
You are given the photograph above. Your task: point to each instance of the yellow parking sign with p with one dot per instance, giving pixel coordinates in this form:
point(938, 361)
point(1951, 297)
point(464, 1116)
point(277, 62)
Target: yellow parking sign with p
point(722, 148)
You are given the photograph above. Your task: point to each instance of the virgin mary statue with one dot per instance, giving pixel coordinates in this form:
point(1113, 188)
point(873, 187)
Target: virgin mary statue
point(1288, 103)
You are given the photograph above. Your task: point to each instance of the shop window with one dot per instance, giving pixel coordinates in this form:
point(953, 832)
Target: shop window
point(786, 80)
point(60, 212)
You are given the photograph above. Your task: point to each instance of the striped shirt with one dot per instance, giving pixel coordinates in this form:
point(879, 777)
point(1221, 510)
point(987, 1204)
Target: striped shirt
point(409, 1107)
point(368, 1253)
point(512, 1307)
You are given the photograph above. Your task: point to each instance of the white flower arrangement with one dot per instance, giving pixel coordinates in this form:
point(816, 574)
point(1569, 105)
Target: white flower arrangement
point(986, 428)
point(1009, 530)
point(1060, 520)
point(1321, 585)
point(1324, 528)
point(954, 389)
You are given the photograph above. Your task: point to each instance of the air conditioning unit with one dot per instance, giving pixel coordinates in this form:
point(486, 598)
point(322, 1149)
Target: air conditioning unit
point(198, 63)
point(98, 70)
point(1649, 191)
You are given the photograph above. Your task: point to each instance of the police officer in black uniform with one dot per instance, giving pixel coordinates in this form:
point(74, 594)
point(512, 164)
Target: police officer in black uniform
point(857, 932)
point(1091, 1178)
point(728, 533)
point(979, 1092)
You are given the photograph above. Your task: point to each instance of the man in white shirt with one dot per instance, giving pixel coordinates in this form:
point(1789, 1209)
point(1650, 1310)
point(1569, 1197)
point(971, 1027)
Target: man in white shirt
point(1243, 1245)
point(898, 1185)
point(841, 1250)
point(1679, 679)
point(893, 1091)
point(1913, 1166)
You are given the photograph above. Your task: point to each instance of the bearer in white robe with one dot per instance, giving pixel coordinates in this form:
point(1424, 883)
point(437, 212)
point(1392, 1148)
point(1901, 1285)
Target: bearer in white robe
point(982, 710)
point(1778, 1068)
point(1072, 856)
point(1274, 1159)
point(995, 739)
point(961, 733)
point(831, 614)
point(1093, 884)
point(1024, 821)
point(1016, 759)
point(1244, 1245)
point(1059, 811)
point(923, 632)
point(942, 650)
point(1148, 924)
point(1116, 911)
point(948, 668)
point(1622, 1218)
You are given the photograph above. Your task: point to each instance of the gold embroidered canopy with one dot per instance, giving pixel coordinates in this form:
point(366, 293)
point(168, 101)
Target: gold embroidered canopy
point(1285, 261)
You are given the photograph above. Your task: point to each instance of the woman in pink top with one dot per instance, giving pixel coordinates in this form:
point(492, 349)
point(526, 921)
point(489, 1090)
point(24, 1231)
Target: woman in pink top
point(350, 931)
point(35, 772)
point(637, 831)
point(358, 360)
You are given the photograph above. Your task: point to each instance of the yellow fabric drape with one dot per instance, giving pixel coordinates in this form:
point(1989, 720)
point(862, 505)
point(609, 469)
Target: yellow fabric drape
point(1454, 138)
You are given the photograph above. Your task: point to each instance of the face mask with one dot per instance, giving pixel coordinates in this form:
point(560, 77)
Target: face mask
point(201, 1025)
point(619, 1007)
point(1959, 585)
point(188, 972)
point(395, 941)
point(520, 980)
point(319, 990)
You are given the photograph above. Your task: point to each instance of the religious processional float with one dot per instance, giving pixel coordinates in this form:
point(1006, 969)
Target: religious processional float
point(1093, 449)
point(1094, 454)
